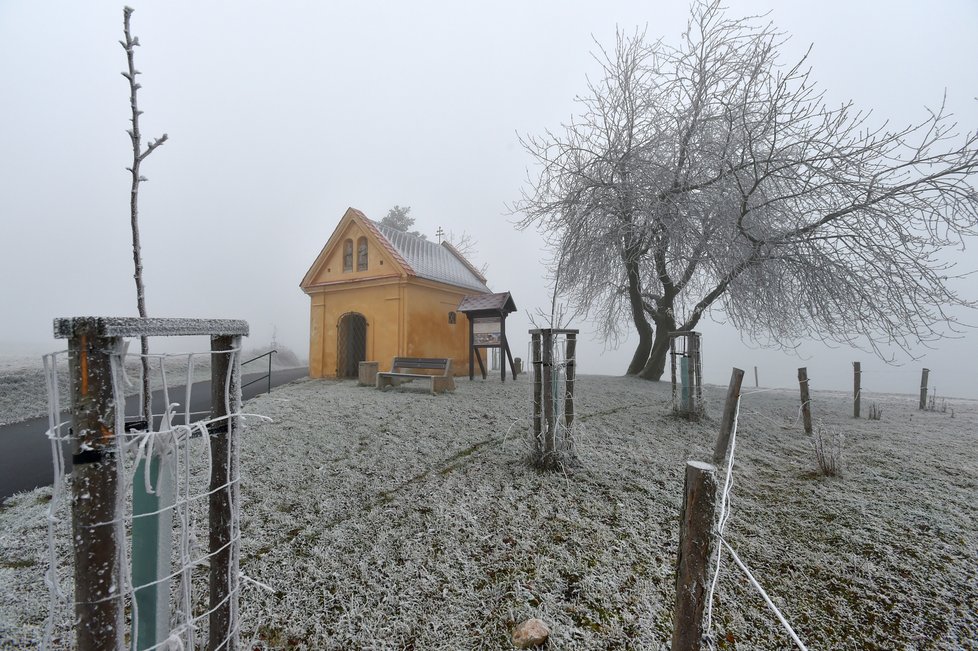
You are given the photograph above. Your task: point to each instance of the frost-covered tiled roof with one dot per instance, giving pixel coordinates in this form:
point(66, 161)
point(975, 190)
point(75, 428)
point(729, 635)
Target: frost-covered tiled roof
point(503, 302)
point(429, 260)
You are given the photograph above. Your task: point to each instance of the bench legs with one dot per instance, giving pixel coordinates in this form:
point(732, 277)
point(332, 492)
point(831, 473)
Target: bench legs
point(439, 383)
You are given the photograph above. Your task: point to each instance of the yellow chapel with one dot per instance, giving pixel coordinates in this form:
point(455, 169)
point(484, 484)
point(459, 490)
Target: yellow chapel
point(377, 293)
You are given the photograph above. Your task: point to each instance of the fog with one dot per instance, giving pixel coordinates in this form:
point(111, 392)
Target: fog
point(281, 115)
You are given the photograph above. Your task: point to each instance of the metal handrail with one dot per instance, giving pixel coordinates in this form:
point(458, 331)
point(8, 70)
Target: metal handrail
point(267, 375)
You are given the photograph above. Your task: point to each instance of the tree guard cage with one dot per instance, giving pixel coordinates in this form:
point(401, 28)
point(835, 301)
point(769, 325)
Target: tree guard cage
point(176, 472)
point(685, 353)
point(486, 314)
point(553, 352)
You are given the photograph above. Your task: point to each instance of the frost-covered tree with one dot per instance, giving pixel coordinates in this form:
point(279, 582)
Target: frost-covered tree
point(138, 156)
point(398, 219)
point(710, 175)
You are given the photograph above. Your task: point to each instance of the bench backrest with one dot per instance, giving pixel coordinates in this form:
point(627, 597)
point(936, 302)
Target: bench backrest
point(439, 364)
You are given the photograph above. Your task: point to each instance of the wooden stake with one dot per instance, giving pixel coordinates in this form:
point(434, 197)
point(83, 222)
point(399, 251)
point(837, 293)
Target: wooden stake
point(99, 608)
point(472, 351)
point(672, 358)
point(697, 406)
point(756, 383)
point(696, 533)
point(856, 377)
point(729, 411)
point(571, 376)
point(923, 388)
point(224, 539)
point(806, 402)
point(537, 365)
point(549, 418)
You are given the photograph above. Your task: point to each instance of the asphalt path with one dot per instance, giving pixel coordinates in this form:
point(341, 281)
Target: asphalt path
point(25, 451)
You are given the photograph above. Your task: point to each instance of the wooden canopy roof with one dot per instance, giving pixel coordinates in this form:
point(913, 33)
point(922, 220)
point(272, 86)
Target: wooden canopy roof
point(487, 305)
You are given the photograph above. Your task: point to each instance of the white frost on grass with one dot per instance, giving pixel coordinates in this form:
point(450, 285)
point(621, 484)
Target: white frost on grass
point(397, 519)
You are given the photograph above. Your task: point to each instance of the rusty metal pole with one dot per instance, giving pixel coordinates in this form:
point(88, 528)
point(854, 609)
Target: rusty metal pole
point(224, 492)
point(99, 608)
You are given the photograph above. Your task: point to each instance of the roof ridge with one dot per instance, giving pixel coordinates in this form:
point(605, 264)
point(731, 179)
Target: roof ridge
point(464, 260)
point(375, 228)
point(426, 259)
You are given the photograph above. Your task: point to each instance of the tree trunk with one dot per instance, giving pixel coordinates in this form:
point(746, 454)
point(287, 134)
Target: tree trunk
point(642, 325)
point(665, 324)
point(642, 352)
point(655, 365)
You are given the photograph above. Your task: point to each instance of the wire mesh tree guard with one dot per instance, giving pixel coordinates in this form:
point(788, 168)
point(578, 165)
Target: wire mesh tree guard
point(553, 352)
point(154, 507)
point(685, 353)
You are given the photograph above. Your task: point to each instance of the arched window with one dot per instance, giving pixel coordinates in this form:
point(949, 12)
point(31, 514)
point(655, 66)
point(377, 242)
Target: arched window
point(348, 255)
point(362, 254)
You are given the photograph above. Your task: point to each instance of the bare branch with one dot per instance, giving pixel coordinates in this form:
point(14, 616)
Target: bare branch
point(709, 175)
point(129, 45)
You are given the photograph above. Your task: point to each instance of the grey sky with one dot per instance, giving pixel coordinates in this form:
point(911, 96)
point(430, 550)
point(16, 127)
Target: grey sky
point(282, 114)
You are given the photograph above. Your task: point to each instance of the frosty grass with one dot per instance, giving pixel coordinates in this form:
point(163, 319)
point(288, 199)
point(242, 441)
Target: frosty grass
point(401, 520)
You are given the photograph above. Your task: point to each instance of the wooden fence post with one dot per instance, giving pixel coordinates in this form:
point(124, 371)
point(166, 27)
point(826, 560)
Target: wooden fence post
point(549, 415)
point(99, 611)
point(856, 381)
point(696, 533)
point(729, 410)
point(571, 376)
point(696, 348)
point(224, 493)
point(923, 388)
point(672, 362)
point(756, 382)
point(537, 366)
point(806, 402)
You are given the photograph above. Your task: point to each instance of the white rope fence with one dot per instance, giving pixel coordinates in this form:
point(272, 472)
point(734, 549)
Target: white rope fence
point(174, 455)
point(724, 517)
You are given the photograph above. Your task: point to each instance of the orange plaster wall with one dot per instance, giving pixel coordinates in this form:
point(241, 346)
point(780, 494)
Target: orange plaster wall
point(317, 317)
point(429, 334)
point(378, 303)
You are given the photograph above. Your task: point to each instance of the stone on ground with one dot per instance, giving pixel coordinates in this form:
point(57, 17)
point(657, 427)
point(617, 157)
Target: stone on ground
point(531, 633)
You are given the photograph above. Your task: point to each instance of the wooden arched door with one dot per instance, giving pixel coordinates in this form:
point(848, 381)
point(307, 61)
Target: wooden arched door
point(351, 344)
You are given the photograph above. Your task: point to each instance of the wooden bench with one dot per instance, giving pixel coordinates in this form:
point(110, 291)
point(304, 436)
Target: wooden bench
point(439, 373)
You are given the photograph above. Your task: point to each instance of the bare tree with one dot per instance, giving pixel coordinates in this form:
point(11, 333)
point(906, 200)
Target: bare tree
point(138, 156)
point(710, 176)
